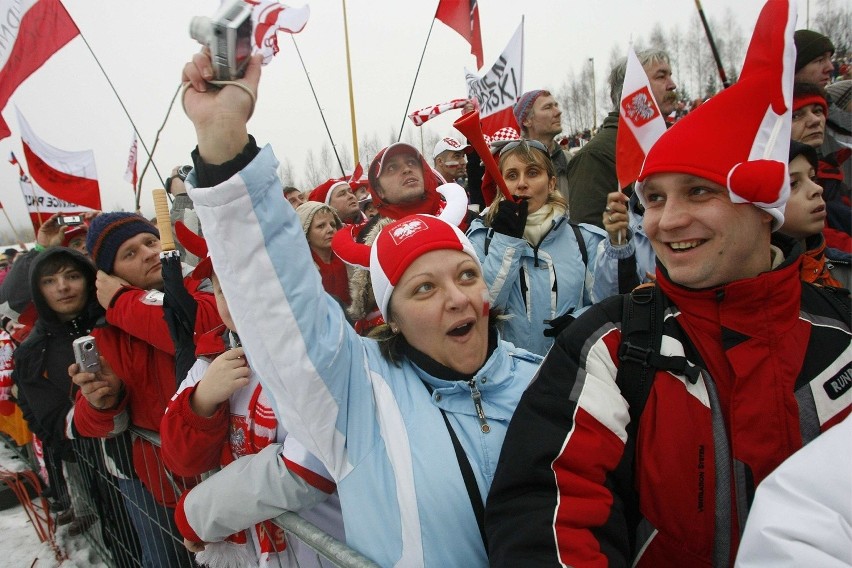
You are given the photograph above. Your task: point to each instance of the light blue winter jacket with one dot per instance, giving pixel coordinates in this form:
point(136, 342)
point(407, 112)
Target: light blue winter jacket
point(373, 424)
point(533, 285)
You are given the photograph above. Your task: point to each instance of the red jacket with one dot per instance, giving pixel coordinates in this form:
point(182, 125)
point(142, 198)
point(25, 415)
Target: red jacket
point(140, 350)
point(573, 487)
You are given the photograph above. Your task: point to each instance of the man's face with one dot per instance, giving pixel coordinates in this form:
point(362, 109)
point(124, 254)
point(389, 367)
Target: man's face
point(65, 292)
point(662, 86)
point(295, 198)
point(451, 164)
point(344, 202)
point(78, 244)
point(138, 262)
point(699, 235)
point(401, 179)
point(817, 71)
point(808, 125)
point(545, 120)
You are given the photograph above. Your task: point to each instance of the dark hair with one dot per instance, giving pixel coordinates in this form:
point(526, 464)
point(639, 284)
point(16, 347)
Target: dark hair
point(290, 189)
point(55, 264)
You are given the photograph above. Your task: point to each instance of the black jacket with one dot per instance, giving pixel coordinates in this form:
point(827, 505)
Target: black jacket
point(45, 391)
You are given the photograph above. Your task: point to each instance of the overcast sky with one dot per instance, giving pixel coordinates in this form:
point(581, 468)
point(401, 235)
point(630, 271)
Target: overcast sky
point(143, 45)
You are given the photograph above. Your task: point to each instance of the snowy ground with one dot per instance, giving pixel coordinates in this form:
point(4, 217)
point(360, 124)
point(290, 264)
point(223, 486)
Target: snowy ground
point(19, 544)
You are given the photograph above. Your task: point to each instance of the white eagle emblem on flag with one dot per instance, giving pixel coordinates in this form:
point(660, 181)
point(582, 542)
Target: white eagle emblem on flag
point(639, 107)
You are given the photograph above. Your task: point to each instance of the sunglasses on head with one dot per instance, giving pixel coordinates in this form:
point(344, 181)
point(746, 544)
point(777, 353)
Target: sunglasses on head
point(530, 143)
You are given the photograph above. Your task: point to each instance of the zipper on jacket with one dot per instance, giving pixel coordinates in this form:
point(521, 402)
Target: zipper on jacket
point(477, 403)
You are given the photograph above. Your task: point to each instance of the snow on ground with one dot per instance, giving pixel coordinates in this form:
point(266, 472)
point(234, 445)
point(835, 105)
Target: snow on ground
point(20, 546)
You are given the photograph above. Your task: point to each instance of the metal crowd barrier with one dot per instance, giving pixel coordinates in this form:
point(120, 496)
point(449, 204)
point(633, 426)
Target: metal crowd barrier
point(116, 512)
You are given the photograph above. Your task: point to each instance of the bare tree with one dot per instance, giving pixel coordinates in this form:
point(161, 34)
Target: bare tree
point(834, 20)
point(313, 171)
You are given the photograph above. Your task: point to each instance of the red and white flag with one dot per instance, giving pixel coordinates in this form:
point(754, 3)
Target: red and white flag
point(463, 17)
point(32, 31)
point(62, 181)
point(640, 122)
point(130, 175)
point(500, 87)
point(418, 117)
point(268, 17)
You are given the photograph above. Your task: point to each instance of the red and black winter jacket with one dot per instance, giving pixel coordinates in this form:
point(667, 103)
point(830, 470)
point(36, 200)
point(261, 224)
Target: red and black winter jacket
point(572, 488)
point(140, 350)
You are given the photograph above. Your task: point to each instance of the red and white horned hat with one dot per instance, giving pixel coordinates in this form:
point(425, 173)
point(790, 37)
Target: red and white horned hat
point(404, 241)
point(740, 138)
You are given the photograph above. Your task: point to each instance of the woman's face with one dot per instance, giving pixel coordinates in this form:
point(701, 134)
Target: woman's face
point(528, 181)
point(321, 231)
point(440, 306)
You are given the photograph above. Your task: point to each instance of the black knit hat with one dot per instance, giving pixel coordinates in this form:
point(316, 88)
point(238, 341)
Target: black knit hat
point(107, 233)
point(809, 152)
point(809, 46)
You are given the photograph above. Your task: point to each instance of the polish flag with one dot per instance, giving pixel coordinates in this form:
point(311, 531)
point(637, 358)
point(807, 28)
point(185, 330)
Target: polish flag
point(268, 17)
point(463, 17)
point(640, 122)
point(130, 175)
point(33, 30)
point(62, 181)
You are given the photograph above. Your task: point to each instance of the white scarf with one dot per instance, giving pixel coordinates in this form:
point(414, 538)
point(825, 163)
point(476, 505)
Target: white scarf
point(539, 223)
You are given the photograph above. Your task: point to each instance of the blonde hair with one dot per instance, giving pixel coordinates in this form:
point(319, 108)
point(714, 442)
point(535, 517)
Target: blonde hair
point(528, 155)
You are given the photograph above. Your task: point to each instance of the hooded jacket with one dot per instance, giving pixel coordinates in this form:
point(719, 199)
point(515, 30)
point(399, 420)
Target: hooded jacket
point(45, 391)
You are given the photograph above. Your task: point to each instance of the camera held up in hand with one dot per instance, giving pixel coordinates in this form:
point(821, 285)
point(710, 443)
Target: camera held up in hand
point(228, 36)
point(86, 354)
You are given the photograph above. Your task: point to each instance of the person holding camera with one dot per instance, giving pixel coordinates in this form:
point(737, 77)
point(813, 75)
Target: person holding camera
point(407, 425)
point(140, 377)
point(62, 287)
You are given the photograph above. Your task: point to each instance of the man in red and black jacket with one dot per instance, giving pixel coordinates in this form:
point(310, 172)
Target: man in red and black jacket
point(139, 375)
point(590, 475)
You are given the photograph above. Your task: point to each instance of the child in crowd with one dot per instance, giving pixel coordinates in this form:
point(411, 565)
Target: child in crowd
point(219, 414)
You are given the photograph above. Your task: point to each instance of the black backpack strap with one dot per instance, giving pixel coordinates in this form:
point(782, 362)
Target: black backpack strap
point(639, 352)
point(467, 474)
point(581, 243)
point(627, 277)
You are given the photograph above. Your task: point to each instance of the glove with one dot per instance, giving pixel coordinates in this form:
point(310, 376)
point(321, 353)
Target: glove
point(558, 324)
point(511, 218)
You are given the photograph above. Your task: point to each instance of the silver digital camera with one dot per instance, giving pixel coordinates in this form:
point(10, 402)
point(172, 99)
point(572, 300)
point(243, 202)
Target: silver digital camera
point(86, 354)
point(228, 35)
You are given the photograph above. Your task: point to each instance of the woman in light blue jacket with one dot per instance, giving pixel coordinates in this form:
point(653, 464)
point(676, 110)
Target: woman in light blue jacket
point(536, 263)
point(410, 427)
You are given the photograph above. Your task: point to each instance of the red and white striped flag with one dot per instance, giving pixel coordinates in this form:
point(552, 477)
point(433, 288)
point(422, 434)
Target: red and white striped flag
point(418, 117)
point(640, 122)
point(130, 173)
point(32, 31)
point(268, 17)
point(62, 181)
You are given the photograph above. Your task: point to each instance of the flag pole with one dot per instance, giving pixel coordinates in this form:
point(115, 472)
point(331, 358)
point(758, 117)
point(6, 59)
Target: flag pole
point(719, 67)
point(138, 190)
point(351, 94)
point(416, 74)
point(310, 83)
point(17, 237)
point(115, 92)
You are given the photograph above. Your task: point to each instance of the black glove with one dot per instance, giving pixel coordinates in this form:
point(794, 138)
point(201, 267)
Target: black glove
point(511, 218)
point(558, 324)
